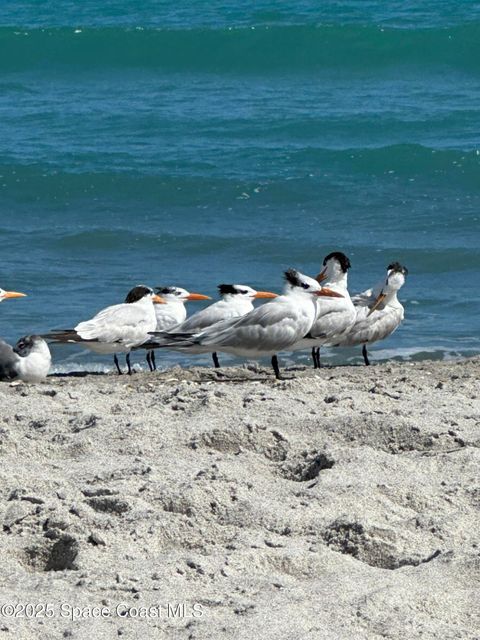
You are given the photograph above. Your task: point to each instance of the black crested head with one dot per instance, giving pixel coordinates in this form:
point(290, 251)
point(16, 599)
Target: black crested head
point(398, 268)
point(227, 288)
point(292, 277)
point(342, 259)
point(137, 293)
point(24, 345)
point(165, 290)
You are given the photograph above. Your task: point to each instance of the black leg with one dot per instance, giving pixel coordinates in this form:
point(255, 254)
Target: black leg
point(152, 358)
point(215, 360)
point(314, 358)
point(127, 359)
point(149, 355)
point(365, 354)
point(115, 359)
point(319, 364)
point(275, 367)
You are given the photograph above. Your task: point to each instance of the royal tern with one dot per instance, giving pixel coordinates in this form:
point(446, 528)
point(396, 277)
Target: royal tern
point(273, 327)
point(4, 295)
point(172, 313)
point(236, 301)
point(116, 329)
point(378, 312)
point(28, 360)
point(334, 315)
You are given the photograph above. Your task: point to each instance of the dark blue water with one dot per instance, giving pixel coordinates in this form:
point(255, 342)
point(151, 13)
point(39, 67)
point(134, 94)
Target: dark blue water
point(192, 145)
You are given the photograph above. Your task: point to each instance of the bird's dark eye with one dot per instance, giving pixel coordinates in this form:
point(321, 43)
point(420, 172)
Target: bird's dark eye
point(243, 291)
point(305, 285)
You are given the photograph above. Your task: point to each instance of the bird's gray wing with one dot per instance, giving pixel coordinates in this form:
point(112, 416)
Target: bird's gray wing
point(62, 335)
point(370, 328)
point(271, 327)
point(216, 312)
point(8, 362)
point(363, 299)
point(126, 324)
point(368, 297)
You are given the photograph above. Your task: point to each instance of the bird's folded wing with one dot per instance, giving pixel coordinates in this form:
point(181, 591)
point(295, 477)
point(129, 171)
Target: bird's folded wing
point(261, 329)
point(216, 312)
point(328, 323)
point(370, 328)
point(8, 362)
point(115, 324)
point(62, 335)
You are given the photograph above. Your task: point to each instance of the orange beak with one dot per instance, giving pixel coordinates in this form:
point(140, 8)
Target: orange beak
point(328, 293)
point(321, 276)
point(265, 294)
point(197, 296)
point(380, 298)
point(14, 294)
point(158, 299)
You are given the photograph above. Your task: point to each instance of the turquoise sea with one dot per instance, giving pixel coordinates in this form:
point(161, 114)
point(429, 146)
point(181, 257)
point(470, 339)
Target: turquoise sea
point(206, 142)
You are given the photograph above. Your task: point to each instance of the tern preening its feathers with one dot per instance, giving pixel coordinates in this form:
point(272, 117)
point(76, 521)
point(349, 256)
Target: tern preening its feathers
point(266, 330)
point(116, 329)
point(236, 301)
point(172, 313)
point(378, 311)
point(28, 360)
point(334, 316)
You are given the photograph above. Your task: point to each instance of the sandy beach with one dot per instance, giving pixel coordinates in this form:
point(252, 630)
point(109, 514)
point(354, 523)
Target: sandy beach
point(195, 504)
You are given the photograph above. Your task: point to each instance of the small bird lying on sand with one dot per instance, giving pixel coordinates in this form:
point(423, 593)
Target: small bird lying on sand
point(28, 360)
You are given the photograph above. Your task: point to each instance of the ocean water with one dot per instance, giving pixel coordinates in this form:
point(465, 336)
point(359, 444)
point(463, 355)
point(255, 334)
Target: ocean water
point(207, 142)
